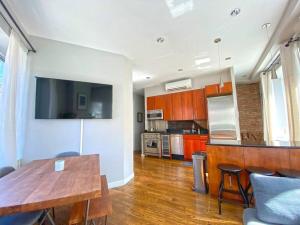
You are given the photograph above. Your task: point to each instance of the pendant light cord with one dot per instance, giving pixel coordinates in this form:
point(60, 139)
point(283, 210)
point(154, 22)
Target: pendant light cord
point(221, 80)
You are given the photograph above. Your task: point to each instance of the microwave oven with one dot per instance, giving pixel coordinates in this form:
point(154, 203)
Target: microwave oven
point(155, 114)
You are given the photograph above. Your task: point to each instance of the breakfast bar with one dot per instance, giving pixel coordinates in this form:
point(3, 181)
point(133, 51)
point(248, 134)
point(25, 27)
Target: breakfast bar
point(272, 157)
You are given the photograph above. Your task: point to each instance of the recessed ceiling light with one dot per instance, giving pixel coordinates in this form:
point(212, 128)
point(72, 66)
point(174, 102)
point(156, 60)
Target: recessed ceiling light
point(266, 26)
point(204, 67)
point(202, 61)
point(148, 77)
point(160, 40)
point(228, 58)
point(235, 12)
point(180, 70)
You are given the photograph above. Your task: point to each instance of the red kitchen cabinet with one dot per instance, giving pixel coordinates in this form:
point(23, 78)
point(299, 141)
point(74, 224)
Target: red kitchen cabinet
point(168, 112)
point(226, 89)
point(159, 102)
point(176, 106)
point(193, 143)
point(151, 103)
point(216, 90)
point(199, 105)
point(212, 90)
point(187, 105)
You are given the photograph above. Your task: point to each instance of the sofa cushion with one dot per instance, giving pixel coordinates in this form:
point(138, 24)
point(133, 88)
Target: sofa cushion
point(249, 218)
point(277, 199)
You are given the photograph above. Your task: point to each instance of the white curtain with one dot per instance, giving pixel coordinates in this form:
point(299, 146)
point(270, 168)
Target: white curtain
point(290, 59)
point(275, 116)
point(13, 102)
point(266, 86)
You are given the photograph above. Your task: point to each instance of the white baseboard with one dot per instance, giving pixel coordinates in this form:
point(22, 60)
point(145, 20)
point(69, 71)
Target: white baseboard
point(120, 182)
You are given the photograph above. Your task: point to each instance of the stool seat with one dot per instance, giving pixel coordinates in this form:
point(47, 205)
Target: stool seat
point(259, 170)
point(289, 173)
point(230, 168)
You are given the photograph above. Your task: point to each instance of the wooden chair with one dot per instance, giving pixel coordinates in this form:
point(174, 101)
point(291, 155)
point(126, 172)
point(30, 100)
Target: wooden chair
point(99, 207)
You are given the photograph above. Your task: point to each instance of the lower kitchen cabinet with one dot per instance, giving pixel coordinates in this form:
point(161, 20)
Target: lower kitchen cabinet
point(193, 143)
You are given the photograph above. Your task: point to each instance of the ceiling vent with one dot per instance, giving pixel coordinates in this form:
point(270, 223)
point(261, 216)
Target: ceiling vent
point(179, 85)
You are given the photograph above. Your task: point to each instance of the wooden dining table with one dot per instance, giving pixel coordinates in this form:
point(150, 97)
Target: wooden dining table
point(37, 186)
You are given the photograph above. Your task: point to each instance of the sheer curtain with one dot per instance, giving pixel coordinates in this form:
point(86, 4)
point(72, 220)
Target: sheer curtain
point(267, 105)
point(275, 116)
point(290, 59)
point(13, 102)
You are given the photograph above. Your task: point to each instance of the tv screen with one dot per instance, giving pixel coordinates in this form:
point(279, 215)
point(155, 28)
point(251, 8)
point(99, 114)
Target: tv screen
point(65, 99)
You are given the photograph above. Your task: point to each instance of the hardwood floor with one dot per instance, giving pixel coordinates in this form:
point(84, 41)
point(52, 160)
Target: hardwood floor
point(160, 193)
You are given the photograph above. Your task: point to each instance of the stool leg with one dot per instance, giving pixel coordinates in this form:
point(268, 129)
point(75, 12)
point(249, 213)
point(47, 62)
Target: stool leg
point(251, 199)
point(220, 195)
point(247, 192)
point(242, 192)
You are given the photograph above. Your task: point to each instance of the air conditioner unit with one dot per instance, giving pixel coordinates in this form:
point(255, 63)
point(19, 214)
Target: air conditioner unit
point(179, 85)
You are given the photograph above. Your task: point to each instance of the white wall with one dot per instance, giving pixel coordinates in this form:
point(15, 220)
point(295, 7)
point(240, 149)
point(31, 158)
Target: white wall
point(138, 106)
point(112, 138)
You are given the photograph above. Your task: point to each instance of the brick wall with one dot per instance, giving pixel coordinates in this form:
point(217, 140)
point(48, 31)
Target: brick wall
point(250, 110)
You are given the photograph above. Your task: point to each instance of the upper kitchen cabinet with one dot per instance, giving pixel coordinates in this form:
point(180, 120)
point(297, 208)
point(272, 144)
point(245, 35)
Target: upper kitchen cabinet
point(151, 103)
point(168, 110)
point(212, 90)
point(199, 105)
point(159, 102)
point(216, 90)
point(187, 105)
point(226, 89)
point(176, 106)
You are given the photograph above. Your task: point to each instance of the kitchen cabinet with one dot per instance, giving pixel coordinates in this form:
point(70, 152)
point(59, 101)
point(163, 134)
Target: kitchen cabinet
point(226, 89)
point(176, 106)
point(187, 105)
point(151, 103)
point(159, 102)
point(168, 111)
point(216, 90)
point(199, 105)
point(212, 90)
point(193, 143)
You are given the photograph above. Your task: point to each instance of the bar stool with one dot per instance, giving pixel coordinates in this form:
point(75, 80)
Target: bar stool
point(289, 173)
point(231, 170)
point(258, 170)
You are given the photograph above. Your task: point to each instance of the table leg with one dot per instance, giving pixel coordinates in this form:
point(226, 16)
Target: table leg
point(87, 212)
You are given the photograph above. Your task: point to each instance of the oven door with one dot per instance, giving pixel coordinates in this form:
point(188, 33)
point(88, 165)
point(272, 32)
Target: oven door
point(155, 114)
point(152, 147)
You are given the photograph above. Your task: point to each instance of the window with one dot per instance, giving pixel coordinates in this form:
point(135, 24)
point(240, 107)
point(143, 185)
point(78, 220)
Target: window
point(279, 119)
point(1, 75)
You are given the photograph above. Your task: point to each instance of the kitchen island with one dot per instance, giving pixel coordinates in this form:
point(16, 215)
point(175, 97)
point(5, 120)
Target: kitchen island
point(284, 156)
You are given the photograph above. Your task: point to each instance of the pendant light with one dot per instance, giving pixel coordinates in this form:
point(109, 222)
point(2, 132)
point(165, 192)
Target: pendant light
point(266, 27)
point(217, 41)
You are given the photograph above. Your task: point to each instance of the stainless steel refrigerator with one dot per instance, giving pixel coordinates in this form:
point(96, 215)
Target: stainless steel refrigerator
point(222, 120)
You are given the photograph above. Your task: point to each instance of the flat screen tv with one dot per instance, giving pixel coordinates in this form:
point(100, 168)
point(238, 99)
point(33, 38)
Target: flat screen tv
point(65, 99)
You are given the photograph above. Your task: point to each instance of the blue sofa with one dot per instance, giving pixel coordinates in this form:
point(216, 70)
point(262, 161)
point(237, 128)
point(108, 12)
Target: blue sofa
point(277, 201)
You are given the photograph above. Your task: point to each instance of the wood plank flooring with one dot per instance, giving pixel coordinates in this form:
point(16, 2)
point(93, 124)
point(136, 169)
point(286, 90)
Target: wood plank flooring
point(160, 193)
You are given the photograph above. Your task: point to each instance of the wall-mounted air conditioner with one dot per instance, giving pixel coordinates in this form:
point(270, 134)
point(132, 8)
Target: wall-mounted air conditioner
point(179, 85)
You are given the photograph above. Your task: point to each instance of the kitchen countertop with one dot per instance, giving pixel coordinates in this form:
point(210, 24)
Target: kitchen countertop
point(278, 144)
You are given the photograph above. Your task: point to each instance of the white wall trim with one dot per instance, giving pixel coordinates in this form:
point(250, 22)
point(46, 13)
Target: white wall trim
point(120, 183)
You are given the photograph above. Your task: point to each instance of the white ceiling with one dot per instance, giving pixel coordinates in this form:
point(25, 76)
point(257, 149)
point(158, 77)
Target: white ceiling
point(131, 28)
